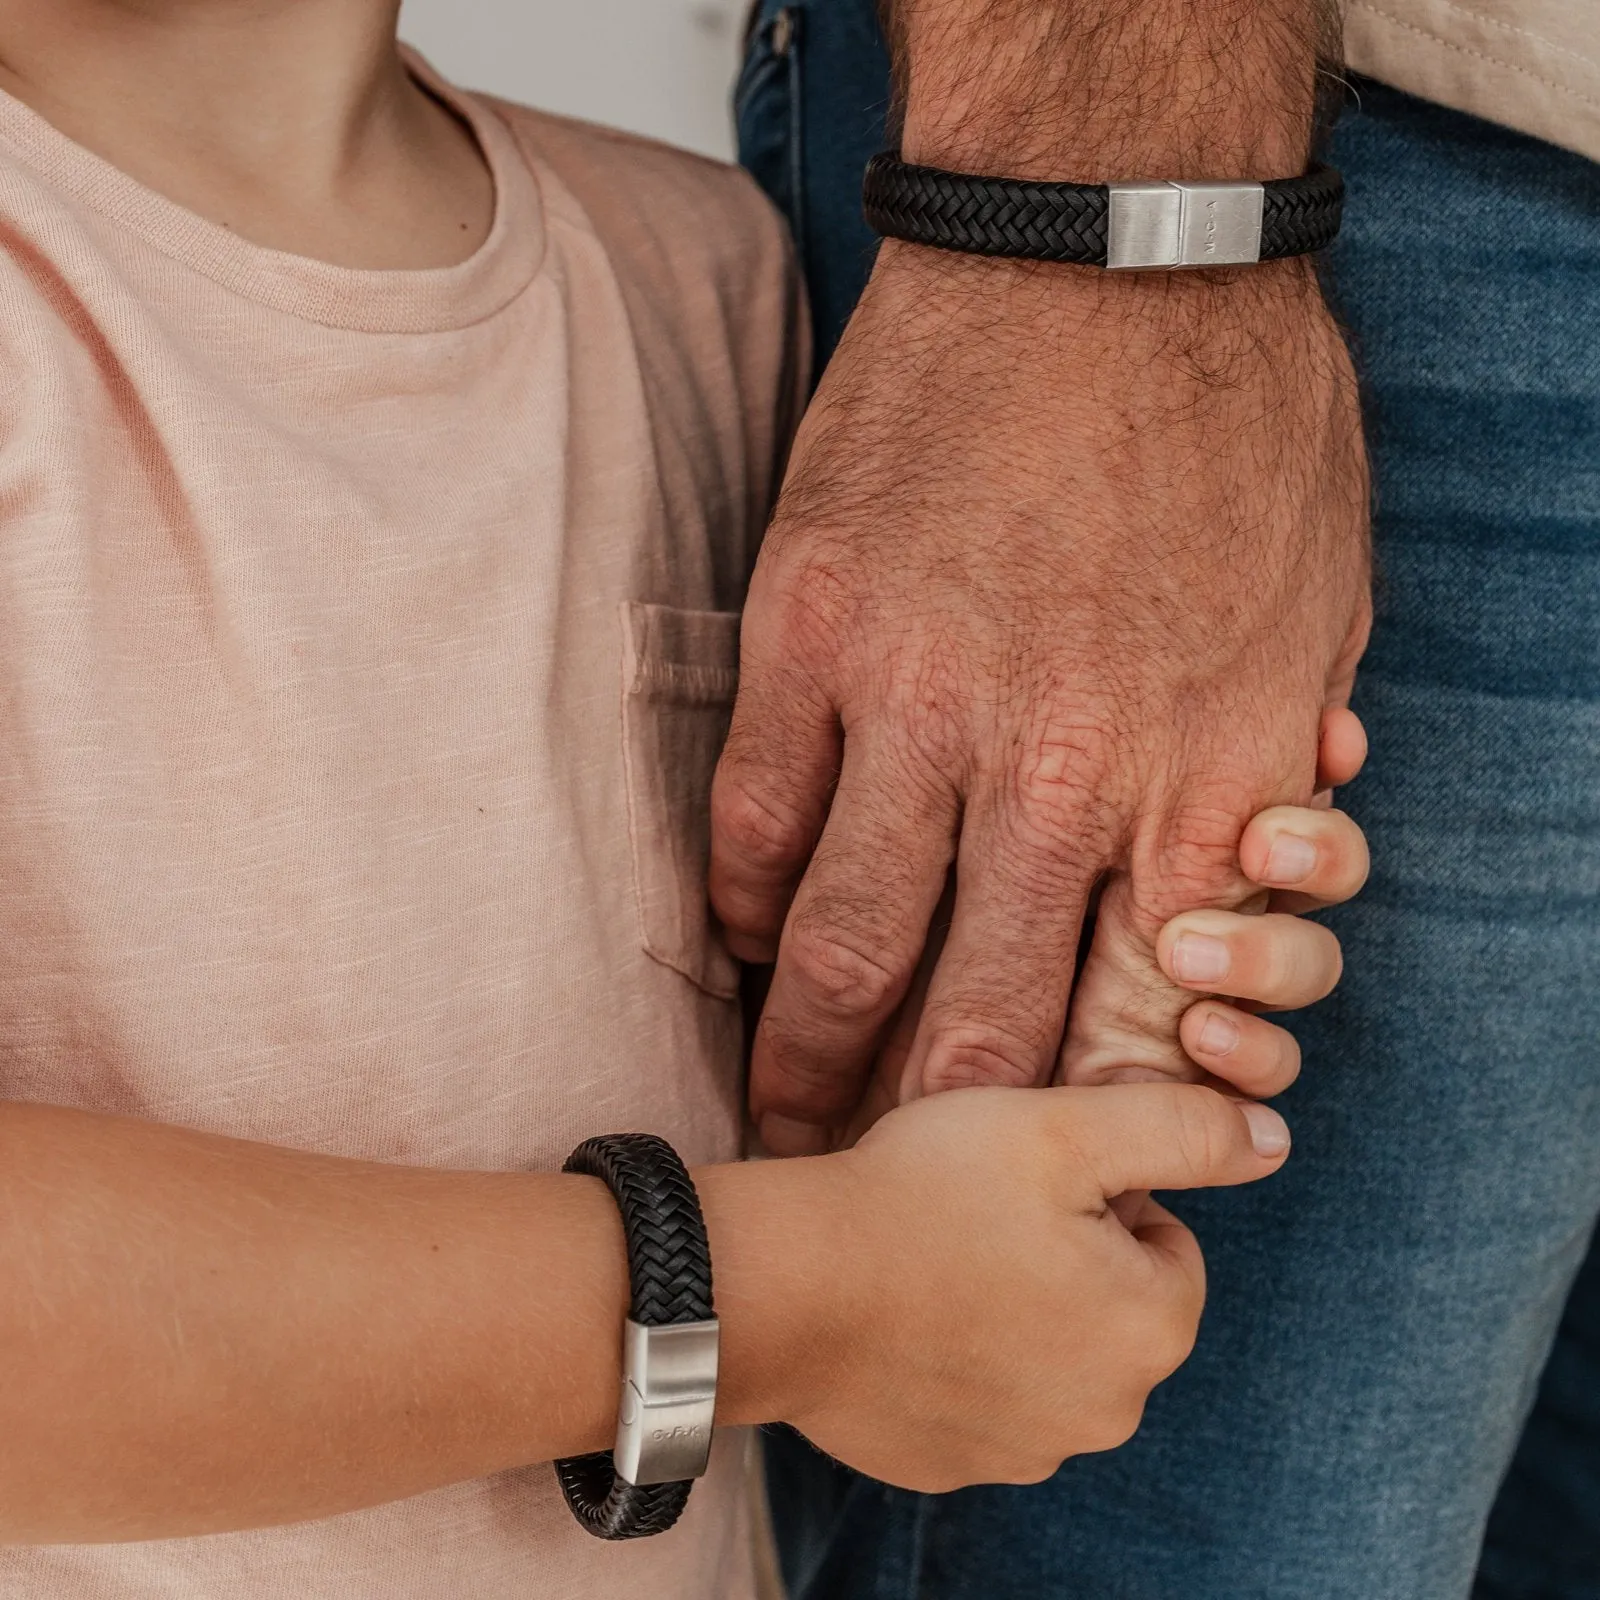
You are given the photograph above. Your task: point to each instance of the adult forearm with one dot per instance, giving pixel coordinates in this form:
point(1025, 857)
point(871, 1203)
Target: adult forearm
point(1068, 565)
point(1103, 90)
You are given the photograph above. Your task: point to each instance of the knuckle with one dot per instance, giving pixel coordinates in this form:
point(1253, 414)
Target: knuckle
point(1205, 829)
point(966, 1059)
point(1171, 1342)
point(796, 1081)
point(1035, 1469)
point(815, 601)
point(1193, 862)
point(759, 828)
point(1203, 1127)
point(1115, 1425)
point(836, 972)
point(936, 738)
point(1059, 793)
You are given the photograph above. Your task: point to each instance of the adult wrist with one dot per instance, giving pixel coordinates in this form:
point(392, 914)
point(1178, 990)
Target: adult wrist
point(925, 291)
point(1100, 91)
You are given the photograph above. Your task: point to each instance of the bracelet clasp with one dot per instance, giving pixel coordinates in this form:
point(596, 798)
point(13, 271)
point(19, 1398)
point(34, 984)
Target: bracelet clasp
point(1183, 224)
point(669, 1396)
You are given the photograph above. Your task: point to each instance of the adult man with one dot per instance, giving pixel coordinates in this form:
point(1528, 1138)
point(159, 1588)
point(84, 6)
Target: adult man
point(1068, 564)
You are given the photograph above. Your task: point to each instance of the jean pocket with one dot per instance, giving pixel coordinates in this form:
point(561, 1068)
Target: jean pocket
point(680, 674)
point(767, 107)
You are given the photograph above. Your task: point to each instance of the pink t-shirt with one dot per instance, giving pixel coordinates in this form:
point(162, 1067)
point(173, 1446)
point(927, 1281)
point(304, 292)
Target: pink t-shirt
point(366, 642)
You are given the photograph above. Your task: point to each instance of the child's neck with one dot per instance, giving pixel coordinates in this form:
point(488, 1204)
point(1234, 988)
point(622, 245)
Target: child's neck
point(293, 122)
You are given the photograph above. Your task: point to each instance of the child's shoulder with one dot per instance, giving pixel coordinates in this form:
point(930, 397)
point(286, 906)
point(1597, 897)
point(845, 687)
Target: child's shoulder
point(685, 211)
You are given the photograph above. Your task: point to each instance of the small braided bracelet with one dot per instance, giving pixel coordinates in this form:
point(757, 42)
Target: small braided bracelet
point(669, 1361)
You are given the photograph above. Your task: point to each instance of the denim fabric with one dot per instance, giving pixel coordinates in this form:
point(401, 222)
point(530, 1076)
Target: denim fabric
point(1380, 1312)
point(810, 107)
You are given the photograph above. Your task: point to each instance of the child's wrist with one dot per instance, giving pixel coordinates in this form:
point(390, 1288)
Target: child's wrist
point(781, 1268)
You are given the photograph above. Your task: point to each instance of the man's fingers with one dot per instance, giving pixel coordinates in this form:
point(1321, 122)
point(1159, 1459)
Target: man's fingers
point(1125, 1011)
point(1314, 858)
point(854, 932)
point(1276, 960)
point(769, 802)
point(998, 997)
point(1168, 1136)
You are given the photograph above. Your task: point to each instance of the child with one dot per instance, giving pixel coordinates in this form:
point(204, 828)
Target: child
point(380, 469)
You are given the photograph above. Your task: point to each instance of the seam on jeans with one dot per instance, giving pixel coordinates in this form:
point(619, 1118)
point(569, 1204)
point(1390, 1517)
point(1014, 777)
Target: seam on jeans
point(1478, 55)
point(794, 68)
point(915, 1588)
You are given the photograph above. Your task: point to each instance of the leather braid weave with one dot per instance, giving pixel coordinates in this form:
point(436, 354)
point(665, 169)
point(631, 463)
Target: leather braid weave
point(669, 1276)
point(1300, 215)
point(613, 1509)
point(986, 216)
point(669, 1261)
point(1063, 221)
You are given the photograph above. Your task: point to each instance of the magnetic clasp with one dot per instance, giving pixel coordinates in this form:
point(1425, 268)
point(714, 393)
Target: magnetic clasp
point(1183, 224)
point(669, 1398)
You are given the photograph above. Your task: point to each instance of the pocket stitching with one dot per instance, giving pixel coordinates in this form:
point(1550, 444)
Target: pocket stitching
point(702, 686)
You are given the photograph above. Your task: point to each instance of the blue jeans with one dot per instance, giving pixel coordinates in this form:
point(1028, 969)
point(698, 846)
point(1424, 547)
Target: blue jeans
point(1381, 1313)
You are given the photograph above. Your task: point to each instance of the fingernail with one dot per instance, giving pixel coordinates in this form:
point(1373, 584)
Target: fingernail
point(1290, 860)
point(788, 1136)
point(1218, 1034)
point(1198, 958)
point(1269, 1133)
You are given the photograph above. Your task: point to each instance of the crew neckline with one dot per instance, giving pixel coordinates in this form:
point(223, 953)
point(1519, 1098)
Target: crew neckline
point(367, 300)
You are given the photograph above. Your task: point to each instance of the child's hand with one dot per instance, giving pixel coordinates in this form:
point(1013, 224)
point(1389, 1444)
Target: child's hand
point(981, 1287)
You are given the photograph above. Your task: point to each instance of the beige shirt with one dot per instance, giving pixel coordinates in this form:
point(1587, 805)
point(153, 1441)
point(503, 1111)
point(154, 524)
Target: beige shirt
point(1531, 64)
point(366, 641)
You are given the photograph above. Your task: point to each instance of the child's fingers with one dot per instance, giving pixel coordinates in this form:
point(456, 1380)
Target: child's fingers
point(1341, 748)
point(1315, 858)
point(1276, 960)
point(1254, 1056)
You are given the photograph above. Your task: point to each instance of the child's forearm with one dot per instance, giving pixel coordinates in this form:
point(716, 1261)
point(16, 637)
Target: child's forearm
point(202, 1334)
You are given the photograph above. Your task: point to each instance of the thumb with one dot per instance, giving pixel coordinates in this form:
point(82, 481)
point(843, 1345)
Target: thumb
point(1168, 1136)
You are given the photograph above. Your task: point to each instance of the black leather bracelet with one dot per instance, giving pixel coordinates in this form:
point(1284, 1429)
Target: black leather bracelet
point(1119, 225)
point(669, 1383)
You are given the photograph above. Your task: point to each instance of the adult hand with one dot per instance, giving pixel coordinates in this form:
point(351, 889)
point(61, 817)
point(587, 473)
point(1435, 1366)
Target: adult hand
point(1301, 858)
point(1066, 570)
point(1135, 1018)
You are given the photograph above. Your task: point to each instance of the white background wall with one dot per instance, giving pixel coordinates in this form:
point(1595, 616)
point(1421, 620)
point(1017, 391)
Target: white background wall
point(662, 67)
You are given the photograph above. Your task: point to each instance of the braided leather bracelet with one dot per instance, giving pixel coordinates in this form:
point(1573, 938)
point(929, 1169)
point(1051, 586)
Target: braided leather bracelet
point(1118, 225)
point(669, 1373)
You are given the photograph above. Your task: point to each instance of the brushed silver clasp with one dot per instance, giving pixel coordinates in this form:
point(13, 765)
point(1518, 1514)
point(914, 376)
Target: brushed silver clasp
point(669, 1396)
point(1166, 225)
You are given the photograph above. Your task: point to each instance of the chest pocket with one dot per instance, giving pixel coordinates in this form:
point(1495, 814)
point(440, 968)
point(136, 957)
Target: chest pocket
point(680, 672)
